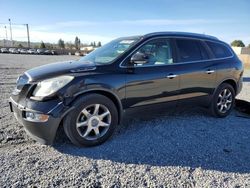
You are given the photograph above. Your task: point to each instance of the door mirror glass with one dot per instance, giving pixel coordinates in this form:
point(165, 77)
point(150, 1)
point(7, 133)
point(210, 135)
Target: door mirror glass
point(139, 58)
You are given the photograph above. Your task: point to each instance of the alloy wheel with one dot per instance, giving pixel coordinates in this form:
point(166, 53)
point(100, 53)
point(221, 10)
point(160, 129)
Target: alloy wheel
point(93, 121)
point(225, 100)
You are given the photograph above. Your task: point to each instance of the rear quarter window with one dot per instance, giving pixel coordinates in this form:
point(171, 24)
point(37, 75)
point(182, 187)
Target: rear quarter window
point(219, 50)
point(190, 50)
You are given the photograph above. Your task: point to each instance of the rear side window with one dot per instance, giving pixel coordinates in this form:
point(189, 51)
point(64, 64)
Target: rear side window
point(219, 50)
point(190, 50)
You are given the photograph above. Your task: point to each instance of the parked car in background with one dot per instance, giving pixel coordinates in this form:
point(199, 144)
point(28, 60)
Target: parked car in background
point(54, 52)
point(13, 50)
point(4, 50)
point(48, 52)
point(28, 51)
point(10, 50)
point(89, 97)
point(23, 51)
point(78, 53)
point(41, 51)
point(32, 51)
point(45, 52)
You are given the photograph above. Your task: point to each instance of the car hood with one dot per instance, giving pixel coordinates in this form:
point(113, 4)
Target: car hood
point(59, 68)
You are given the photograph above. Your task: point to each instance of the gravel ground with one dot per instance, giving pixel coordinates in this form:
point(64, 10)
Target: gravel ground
point(179, 147)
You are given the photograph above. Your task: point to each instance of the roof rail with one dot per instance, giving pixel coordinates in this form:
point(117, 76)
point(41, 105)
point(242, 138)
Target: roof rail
point(181, 34)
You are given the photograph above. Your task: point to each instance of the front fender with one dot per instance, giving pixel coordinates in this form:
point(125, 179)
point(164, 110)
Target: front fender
point(106, 92)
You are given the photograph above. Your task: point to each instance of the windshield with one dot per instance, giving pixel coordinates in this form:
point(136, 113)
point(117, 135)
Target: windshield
point(110, 51)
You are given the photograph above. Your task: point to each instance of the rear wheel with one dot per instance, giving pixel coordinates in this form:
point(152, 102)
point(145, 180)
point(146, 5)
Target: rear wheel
point(93, 120)
point(223, 100)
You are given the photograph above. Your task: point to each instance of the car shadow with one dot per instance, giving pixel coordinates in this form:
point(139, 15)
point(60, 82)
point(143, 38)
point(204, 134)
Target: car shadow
point(243, 107)
point(181, 136)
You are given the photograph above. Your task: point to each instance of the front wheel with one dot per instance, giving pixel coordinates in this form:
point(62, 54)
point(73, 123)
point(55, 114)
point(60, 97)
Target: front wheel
point(223, 101)
point(93, 120)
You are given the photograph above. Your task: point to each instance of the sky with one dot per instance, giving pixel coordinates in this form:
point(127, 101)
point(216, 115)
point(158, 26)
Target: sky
point(104, 20)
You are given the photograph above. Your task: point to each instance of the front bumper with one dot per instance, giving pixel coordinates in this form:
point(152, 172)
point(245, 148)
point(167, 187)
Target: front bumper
point(43, 132)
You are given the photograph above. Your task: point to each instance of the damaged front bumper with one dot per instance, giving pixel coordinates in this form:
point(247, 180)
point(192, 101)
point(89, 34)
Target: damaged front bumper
point(42, 130)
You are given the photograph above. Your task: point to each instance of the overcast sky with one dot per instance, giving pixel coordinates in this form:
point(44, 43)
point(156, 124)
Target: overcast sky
point(105, 20)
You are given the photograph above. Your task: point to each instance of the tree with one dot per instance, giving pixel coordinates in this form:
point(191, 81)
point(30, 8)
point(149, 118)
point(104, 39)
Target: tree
point(61, 44)
point(248, 46)
point(77, 43)
point(20, 46)
point(93, 44)
point(237, 43)
point(42, 45)
point(99, 44)
point(49, 46)
point(69, 45)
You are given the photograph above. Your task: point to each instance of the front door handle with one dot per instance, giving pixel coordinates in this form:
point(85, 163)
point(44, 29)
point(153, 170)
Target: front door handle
point(171, 76)
point(210, 71)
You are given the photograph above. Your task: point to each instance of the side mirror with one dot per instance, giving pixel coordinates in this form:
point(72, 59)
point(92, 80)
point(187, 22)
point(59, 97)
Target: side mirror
point(139, 58)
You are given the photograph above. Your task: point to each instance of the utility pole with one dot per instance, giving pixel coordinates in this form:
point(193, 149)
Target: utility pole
point(6, 34)
point(28, 35)
point(10, 33)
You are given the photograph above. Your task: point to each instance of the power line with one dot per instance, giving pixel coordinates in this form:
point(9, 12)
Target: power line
point(16, 24)
point(12, 24)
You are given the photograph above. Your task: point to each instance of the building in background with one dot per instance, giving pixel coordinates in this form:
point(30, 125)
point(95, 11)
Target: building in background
point(244, 55)
point(241, 50)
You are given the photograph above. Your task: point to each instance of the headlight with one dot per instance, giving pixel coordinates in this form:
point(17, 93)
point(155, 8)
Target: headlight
point(50, 86)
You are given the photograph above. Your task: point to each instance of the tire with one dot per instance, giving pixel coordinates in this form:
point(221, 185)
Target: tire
point(81, 124)
point(221, 105)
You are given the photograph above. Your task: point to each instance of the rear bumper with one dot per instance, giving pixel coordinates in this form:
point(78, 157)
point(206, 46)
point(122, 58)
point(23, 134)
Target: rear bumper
point(43, 132)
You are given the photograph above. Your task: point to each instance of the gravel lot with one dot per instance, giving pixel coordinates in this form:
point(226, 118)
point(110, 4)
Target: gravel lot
point(180, 147)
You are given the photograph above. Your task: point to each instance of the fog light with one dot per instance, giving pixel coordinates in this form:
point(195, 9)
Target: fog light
point(33, 116)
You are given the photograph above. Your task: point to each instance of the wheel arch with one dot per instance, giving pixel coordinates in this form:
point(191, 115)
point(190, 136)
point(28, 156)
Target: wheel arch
point(230, 81)
point(109, 94)
point(214, 111)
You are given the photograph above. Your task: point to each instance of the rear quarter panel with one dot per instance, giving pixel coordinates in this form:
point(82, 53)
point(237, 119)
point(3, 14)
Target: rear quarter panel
point(229, 69)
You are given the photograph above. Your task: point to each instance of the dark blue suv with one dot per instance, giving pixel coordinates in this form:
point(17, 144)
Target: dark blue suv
point(89, 97)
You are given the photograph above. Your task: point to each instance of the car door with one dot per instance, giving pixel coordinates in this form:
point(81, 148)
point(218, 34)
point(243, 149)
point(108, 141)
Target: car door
point(154, 81)
point(197, 72)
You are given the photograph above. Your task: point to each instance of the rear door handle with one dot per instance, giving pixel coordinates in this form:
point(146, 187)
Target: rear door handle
point(210, 71)
point(171, 76)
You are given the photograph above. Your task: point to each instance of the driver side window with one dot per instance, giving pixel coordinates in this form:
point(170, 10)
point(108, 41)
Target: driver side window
point(156, 52)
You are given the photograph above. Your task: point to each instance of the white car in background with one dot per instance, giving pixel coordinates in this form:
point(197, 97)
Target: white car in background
point(14, 51)
point(32, 51)
point(4, 50)
point(23, 51)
